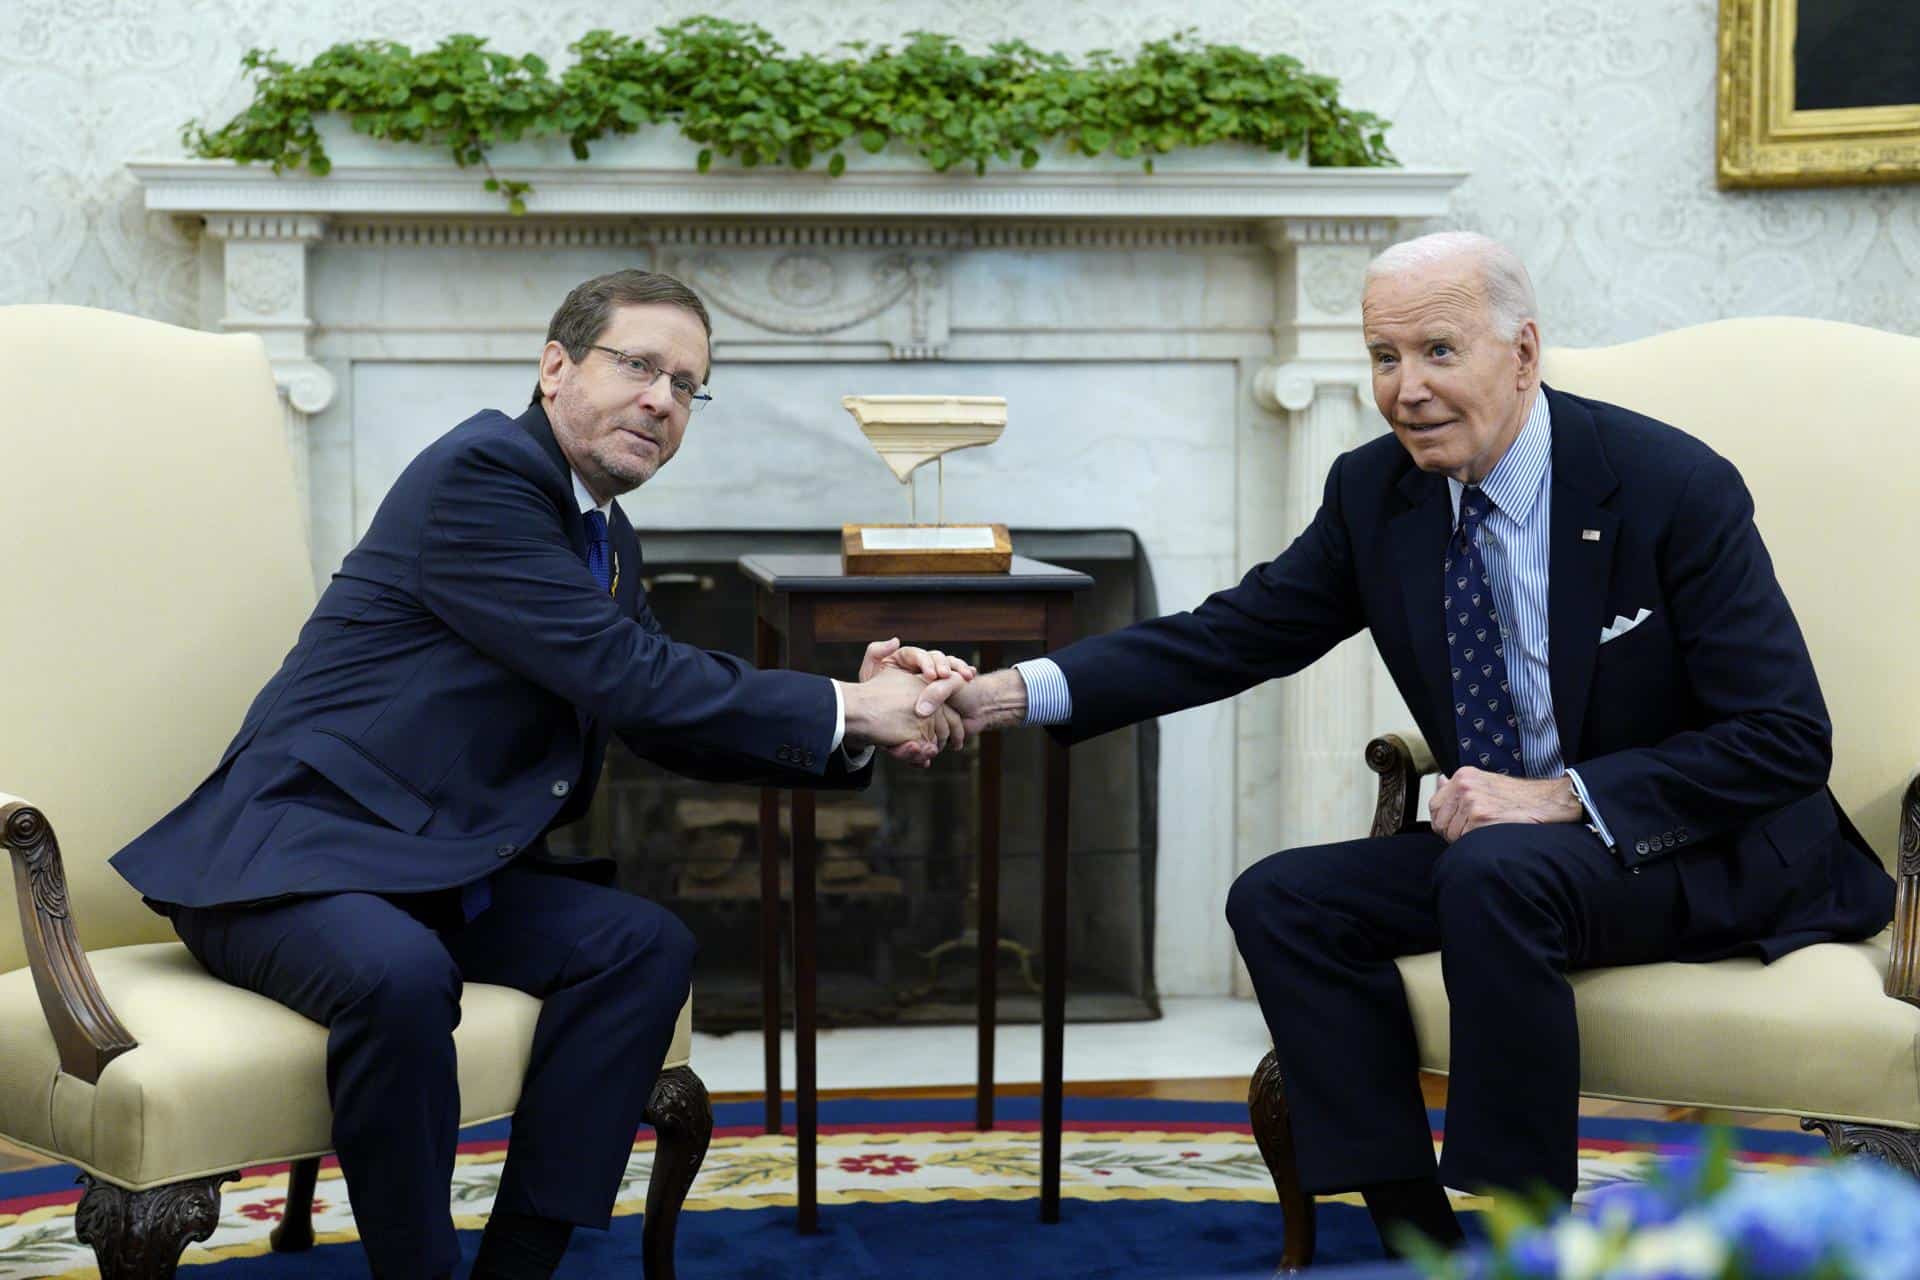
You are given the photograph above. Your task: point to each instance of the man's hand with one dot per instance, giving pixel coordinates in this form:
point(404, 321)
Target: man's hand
point(932, 666)
point(993, 701)
point(898, 708)
point(1473, 798)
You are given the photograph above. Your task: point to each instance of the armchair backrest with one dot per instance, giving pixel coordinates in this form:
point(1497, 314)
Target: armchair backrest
point(155, 570)
point(1823, 421)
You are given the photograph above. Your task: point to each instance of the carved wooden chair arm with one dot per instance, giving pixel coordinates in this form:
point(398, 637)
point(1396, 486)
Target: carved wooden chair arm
point(1903, 965)
point(84, 1027)
point(1401, 759)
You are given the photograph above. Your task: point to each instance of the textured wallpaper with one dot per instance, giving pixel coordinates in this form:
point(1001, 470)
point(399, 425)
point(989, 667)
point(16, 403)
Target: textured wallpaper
point(1587, 126)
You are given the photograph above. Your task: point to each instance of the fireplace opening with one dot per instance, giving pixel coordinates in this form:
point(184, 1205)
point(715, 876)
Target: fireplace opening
point(896, 871)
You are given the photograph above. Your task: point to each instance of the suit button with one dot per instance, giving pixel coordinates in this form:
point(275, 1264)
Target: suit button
point(504, 850)
point(809, 760)
point(562, 787)
point(1680, 836)
point(1639, 846)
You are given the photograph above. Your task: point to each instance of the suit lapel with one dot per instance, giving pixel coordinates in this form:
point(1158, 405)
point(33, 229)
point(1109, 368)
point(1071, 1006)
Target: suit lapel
point(534, 423)
point(625, 546)
point(1579, 565)
point(1419, 540)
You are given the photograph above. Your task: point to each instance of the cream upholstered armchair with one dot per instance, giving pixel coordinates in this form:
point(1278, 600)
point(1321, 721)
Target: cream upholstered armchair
point(1820, 418)
point(153, 550)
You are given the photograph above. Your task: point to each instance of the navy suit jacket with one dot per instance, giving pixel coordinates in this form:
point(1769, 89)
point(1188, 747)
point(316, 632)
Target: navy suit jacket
point(1701, 734)
point(451, 696)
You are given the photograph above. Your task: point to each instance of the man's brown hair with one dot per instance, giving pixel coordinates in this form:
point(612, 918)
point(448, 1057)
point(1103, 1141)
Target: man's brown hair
point(589, 308)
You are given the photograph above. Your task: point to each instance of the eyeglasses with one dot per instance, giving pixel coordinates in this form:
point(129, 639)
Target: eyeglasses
point(643, 372)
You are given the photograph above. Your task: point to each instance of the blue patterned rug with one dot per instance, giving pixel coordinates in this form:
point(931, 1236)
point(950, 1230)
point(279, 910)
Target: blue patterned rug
point(907, 1188)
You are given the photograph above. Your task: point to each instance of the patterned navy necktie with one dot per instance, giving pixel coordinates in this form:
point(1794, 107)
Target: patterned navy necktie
point(1483, 716)
point(597, 562)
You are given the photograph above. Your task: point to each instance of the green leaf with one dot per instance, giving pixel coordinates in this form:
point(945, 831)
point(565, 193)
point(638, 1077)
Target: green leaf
point(730, 87)
point(705, 160)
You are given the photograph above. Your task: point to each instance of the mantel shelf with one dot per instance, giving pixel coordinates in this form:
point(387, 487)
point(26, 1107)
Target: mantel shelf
point(1215, 193)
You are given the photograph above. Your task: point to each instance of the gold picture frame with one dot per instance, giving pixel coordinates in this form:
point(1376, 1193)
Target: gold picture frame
point(1765, 140)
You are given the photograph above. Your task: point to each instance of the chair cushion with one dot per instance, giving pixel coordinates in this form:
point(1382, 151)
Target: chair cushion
point(222, 1078)
point(1810, 1034)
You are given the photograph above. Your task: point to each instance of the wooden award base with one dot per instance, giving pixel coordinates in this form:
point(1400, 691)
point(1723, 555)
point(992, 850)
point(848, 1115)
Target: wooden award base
point(924, 548)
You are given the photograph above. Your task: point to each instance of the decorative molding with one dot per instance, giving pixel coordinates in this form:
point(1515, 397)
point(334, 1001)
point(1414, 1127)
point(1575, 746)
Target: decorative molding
point(1330, 281)
point(261, 282)
point(1293, 385)
point(1374, 231)
point(529, 233)
point(417, 185)
point(303, 228)
point(308, 385)
point(808, 295)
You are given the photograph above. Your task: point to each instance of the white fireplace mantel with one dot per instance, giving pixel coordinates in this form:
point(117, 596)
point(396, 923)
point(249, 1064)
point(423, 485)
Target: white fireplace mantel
point(1181, 353)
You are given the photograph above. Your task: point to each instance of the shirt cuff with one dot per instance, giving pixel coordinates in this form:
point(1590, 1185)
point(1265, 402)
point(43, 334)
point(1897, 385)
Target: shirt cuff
point(839, 715)
point(1594, 819)
point(856, 760)
point(1048, 701)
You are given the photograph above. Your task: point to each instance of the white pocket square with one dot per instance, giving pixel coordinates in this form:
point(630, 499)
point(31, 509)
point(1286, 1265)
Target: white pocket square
point(1623, 624)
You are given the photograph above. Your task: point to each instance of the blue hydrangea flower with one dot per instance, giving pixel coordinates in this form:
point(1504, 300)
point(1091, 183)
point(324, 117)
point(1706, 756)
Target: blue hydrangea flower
point(1630, 1206)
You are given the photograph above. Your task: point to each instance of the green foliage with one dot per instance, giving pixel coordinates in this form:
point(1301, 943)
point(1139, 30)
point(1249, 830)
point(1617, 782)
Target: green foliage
point(734, 90)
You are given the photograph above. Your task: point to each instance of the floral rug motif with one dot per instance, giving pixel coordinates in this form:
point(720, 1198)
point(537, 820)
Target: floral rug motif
point(871, 1153)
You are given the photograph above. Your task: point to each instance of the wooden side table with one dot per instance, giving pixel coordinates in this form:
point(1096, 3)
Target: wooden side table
point(806, 600)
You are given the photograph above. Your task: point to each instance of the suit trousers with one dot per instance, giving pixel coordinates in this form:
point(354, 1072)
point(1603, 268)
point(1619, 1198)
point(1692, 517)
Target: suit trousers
point(383, 975)
point(1511, 908)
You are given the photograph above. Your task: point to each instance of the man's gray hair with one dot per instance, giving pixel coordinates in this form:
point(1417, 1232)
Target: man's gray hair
point(1504, 277)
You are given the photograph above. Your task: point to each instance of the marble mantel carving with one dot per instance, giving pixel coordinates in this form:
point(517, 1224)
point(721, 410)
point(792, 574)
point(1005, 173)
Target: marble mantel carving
point(1180, 353)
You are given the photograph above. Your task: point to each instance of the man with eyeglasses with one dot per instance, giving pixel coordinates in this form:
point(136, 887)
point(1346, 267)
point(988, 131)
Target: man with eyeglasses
point(375, 834)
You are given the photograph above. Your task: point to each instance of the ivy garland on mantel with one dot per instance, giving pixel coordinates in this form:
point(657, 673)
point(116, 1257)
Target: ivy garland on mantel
point(732, 89)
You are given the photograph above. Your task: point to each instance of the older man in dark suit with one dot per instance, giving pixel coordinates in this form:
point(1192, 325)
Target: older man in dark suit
point(374, 836)
point(1576, 605)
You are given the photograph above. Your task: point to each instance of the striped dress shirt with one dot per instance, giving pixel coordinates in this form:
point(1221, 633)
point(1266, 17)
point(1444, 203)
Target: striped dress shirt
point(1514, 541)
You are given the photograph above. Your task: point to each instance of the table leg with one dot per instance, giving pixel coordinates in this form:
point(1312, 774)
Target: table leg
point(766, 654)
point(806, 1112)
point(1053, 943)
point(987, 930)
point(805, 1100)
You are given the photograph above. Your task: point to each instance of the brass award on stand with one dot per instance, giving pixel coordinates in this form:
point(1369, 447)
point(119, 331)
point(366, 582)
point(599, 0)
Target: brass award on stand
point(908, 432)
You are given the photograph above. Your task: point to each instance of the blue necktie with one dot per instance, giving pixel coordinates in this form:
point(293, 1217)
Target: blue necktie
point(1483, 717)
point(597, 563)
point(475, 897)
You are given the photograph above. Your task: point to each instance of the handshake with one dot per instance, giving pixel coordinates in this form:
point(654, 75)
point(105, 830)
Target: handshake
point(918, 702)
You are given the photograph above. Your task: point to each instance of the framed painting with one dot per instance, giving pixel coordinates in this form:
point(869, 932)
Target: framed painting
point(1819, 92)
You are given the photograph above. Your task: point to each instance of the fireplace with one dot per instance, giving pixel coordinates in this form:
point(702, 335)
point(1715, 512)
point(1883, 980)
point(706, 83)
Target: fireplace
point(1181, 357)
point(897, 862)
